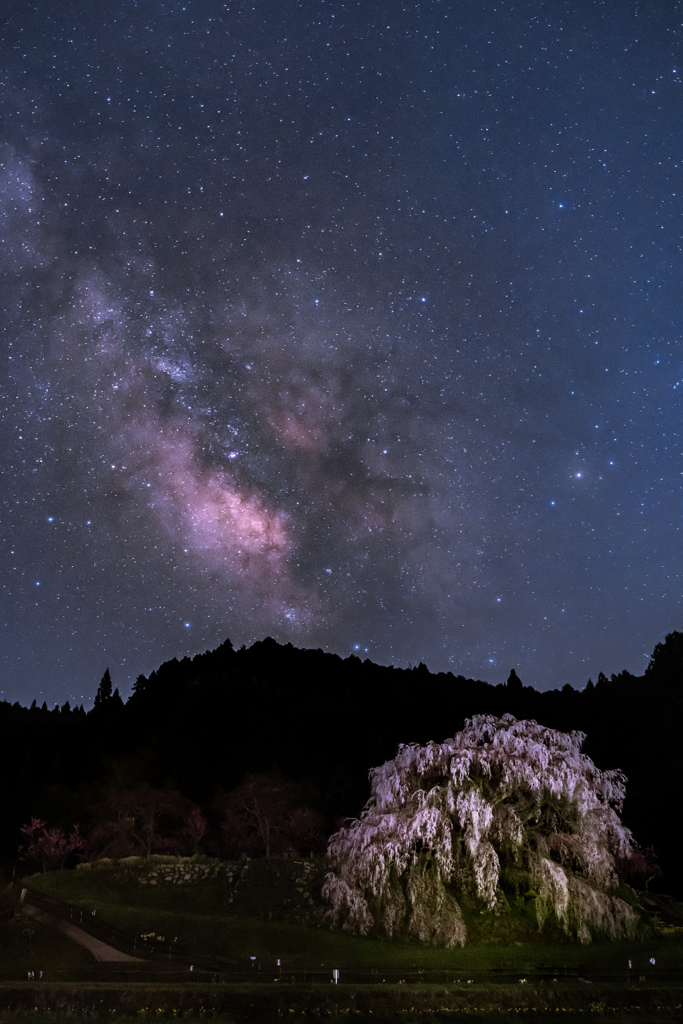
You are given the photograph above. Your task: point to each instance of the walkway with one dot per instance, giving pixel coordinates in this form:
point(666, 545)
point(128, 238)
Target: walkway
point(100, 950)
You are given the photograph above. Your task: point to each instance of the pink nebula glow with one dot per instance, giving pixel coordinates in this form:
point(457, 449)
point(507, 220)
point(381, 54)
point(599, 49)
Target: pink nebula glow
point(207, 509)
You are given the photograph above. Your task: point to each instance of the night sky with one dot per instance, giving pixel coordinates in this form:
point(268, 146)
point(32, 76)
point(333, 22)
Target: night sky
point(355, 324)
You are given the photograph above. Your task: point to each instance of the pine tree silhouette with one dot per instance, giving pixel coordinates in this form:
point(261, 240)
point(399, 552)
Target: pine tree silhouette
point(103, 695)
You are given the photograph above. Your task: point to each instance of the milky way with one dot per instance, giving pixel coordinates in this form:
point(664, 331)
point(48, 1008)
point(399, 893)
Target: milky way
point(354, 326)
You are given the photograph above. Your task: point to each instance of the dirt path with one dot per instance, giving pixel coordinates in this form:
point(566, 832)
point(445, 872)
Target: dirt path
point(100, 950)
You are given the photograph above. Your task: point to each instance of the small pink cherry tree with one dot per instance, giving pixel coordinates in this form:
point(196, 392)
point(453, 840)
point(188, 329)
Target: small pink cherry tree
point(48, 845)
point(445, 820)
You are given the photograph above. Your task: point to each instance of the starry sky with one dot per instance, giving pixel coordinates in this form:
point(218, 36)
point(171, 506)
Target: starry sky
point(351, 323)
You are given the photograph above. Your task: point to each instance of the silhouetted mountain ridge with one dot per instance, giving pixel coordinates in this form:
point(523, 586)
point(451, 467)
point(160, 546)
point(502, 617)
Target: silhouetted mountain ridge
point(199, 724)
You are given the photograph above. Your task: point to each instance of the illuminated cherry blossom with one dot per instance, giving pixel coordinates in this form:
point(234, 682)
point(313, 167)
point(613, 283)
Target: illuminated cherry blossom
point(444, 820)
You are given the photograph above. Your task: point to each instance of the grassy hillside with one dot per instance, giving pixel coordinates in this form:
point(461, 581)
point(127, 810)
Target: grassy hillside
point(26, 944)
point(267, 916)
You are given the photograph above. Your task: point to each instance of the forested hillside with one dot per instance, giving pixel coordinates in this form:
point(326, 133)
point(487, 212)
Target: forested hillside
point(195, 728)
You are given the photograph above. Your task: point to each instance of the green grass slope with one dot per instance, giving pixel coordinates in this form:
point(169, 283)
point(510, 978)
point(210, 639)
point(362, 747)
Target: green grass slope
point(264, 911)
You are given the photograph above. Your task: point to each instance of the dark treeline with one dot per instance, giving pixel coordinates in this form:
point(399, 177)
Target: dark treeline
point(197, 726)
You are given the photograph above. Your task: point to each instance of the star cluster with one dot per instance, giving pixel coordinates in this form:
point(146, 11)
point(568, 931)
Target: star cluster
point(355, 325)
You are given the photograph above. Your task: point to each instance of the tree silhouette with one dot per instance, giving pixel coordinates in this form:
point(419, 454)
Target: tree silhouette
point(268, 815)
point(48, 846)
point(514, 683)
point(133, 821)
point(103, 695)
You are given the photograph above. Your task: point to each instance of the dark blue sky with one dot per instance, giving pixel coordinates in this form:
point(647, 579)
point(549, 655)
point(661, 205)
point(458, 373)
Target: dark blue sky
point(352, 324)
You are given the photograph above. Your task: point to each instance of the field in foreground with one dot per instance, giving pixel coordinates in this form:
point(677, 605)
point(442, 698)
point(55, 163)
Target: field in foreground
point(225, 932)
point(369, 1003)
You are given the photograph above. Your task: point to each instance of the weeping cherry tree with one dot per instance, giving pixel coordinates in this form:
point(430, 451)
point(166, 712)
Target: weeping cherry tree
point(446, 820)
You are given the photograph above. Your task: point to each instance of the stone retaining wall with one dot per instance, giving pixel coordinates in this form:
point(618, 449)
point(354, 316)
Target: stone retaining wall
point(189, 873)
point(277, 888)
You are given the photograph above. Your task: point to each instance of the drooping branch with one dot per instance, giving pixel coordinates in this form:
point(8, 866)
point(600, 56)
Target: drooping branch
point(450, 816)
